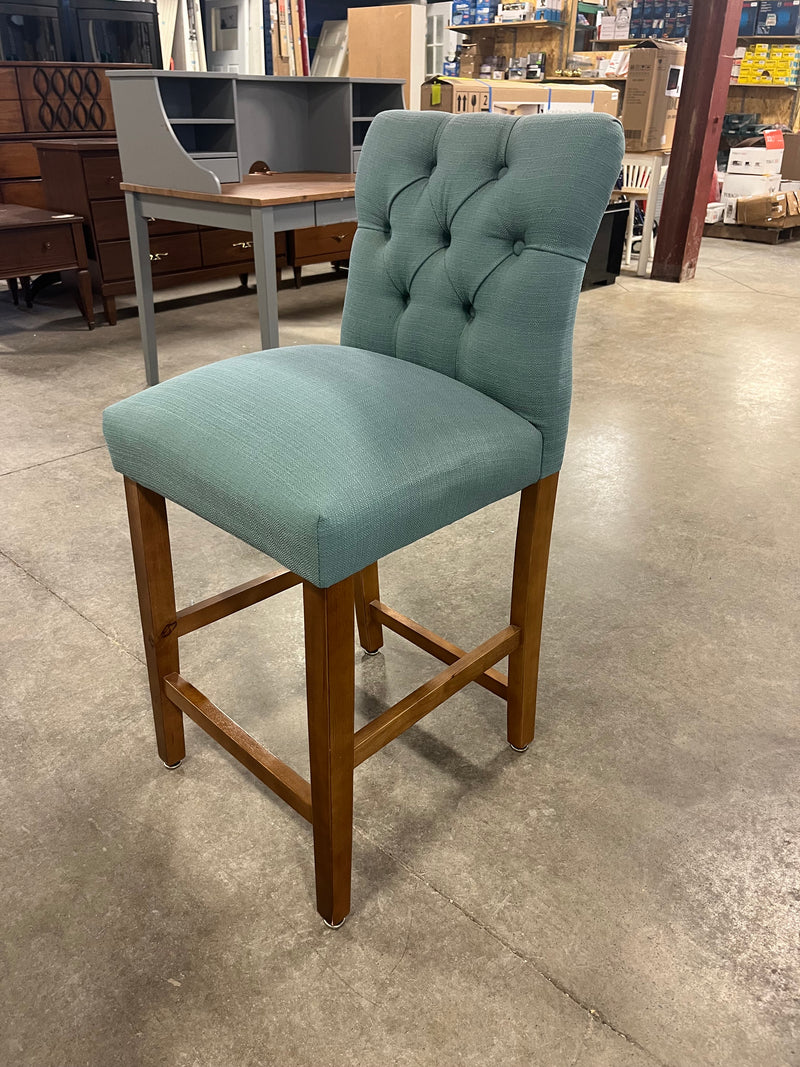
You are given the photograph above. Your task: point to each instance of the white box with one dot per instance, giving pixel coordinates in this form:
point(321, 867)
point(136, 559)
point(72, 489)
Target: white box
point(715, 212)
point(608, 28)
point(736, 185)
point(790, 187)
point(755, 161)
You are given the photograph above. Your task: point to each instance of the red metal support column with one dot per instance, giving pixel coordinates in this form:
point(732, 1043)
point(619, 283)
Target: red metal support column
point(709, 57)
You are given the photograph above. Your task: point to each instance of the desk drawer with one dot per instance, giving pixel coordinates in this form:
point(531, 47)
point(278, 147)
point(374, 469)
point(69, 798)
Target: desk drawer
point(329, 211)
point(36, 248)
point(321, 242)
point(111, 222)
point(168, 254)
point(103, 175)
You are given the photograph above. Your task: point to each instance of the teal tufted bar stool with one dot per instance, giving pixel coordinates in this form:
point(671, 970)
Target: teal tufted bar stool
point(450, 390)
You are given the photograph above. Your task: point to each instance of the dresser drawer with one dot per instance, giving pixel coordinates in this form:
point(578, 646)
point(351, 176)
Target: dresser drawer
point(35, 248)
point(8, 84)
point(11, 120)
point(18, 159)
point(27, 193)
point(103, 175)
point(226, 246)
point(319, 243)
point(111, 222)
point(181, 251)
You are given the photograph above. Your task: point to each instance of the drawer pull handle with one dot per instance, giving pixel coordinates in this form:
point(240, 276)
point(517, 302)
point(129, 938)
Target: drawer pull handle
point(150, 218)
point(113, 179)
point(46, 246)
point(340, 237)
point(242, 244)
point(155, 256)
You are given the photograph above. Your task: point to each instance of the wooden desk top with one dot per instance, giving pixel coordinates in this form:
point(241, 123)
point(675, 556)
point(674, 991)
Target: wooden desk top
point(265, 190)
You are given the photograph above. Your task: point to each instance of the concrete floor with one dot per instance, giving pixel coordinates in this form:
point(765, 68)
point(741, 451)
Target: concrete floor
point(625, 894)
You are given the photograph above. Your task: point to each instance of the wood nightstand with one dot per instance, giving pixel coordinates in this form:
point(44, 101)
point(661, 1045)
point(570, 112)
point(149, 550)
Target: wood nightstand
point(39, 242)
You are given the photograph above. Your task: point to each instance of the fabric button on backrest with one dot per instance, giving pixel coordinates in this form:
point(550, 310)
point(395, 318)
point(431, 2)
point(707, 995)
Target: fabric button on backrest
point(502, 172)
point(518, 248)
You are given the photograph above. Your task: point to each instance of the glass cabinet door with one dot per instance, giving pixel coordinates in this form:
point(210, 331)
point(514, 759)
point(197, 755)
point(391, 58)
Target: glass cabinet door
point(29, 33)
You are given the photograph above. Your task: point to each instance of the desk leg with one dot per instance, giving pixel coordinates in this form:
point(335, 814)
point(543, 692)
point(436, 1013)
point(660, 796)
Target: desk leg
point(266, 278)
point(143, 276)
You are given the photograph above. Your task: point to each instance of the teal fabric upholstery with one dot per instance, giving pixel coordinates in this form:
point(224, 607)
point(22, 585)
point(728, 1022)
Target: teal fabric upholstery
point(325, 458)
point(473, 234)
point(451, 388)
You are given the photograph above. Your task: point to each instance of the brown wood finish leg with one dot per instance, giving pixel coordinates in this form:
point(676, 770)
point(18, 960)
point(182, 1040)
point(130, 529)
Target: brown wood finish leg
point(527, 605)
point(13, 287)
point(298, 275)
point(367, 589)
point(330, 686)
point(110, 310)
point(86, 302)
point(152, 562)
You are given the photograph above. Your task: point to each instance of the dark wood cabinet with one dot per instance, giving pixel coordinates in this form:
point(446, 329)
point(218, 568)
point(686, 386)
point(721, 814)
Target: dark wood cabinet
point(83, 176)
point(37, 242)
point(43, 100)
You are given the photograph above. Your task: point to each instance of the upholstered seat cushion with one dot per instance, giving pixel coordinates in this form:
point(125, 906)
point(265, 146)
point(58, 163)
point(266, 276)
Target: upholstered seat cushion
point(324, 457)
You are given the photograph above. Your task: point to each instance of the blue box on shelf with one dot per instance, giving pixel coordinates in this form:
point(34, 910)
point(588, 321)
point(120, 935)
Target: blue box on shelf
point(462, 13)
point(747, 22)
point(485, 11)
point(778, 18)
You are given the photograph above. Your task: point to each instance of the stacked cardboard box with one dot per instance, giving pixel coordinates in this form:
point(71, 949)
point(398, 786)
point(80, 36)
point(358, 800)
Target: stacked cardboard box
point(778, 211)
point(752, 172)
point(652, 95)
point(769, 64)
point(466, 95)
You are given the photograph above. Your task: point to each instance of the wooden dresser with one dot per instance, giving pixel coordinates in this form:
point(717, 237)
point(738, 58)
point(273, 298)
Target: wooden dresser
point(44, 100)
point(83, 177)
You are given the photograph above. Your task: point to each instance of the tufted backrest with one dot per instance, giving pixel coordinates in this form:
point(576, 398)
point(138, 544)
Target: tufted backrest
point(473, 234)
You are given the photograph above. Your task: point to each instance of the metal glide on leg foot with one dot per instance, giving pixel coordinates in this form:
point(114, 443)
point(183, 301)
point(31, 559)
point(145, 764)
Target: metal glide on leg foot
point(525, 749)
point(172, 766)
point(367, 652)
point(335, 926)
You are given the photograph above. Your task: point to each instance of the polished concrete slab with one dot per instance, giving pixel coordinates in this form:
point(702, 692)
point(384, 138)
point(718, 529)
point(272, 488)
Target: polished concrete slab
point(624, 894)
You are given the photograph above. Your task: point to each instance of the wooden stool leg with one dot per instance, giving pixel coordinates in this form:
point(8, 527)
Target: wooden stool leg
point(527, 604)
point(152, 562)
point(13, 286)
point(330, 686)
point(367, 589)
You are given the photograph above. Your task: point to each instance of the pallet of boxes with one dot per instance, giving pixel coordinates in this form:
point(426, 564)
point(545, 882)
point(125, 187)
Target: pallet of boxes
point(760, 195)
